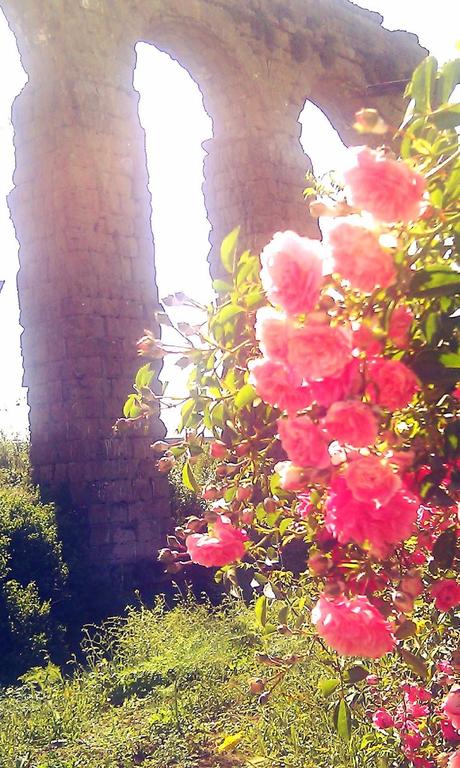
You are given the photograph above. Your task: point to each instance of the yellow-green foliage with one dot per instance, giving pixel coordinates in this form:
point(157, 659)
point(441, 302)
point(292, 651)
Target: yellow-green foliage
point(168, 689)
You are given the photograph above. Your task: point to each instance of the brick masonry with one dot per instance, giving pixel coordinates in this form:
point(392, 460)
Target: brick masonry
point(82, 209)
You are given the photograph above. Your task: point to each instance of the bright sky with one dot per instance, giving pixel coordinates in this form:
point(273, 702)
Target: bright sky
point(175, 160)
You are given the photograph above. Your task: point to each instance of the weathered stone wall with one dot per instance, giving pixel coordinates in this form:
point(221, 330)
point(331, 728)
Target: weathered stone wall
point(82, 210)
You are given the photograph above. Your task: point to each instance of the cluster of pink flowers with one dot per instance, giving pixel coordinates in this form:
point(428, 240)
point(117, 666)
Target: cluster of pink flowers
point(331, 379)
point(419, 719)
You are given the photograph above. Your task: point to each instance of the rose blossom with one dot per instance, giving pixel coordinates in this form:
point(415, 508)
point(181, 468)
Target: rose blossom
point(454, 760)
point(272, 329)
point(400, 322)
point(359, 257)
point(381, 526)
point(391, 383)
point(333, 388)
point(277, 385)
point(304, 442)
point(292, 271)
point(316, 351)
point(370, 478)
point(446, 593)
point(352, 423)
point(382, 719)
point(365, 340)
point(292, 478)
point(448, 732)
point(353, 627)
point(224, 545)
point(386, 188)
point(451, 706)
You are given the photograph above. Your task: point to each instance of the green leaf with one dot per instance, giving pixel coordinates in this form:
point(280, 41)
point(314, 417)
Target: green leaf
point(220, 286)
point(227, 312)
point(131, 407)
point(450, 360)
point(357, 673)
point(430, 326)
point(421, 87)
point(415, 662)
point(436, 281)
point(245, 396)
point(260, 610)
point(449, 78)
point(327, 685)
point(447, 117)
point(144, 376)
point(445, 547)
point(188, 478)
point(342, 720)
point(187, 411)
point(228, 249)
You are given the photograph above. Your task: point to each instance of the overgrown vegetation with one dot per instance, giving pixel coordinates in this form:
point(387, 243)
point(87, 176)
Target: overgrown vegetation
point(32, 571)
point(171, 689)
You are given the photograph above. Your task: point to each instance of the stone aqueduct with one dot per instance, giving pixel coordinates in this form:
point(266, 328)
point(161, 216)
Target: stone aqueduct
point(82, 210)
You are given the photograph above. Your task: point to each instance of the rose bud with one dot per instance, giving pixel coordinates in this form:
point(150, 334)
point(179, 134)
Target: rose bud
point(269, 505)
point(372, 680)
point(412, 585)
point(256, 686)
point(247, 516)
point(369, 121)
point(211, 493)
point(218, 450)
point(403, 602)
point(165, 555)
point(221, 470)
point(318, 564)
point(195, 524)
point(165, 465)
point(244, 492)
point(243, 448)
point(159, 446)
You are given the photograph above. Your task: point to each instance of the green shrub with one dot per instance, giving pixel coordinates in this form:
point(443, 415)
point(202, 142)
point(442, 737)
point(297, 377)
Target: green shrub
point(166, 689)
point(32, 581)
point(14, 461)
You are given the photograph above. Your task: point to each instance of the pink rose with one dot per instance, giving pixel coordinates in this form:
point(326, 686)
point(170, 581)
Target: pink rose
point(449, 733)
point(359, 257)
point(224, 545)
point(292, 270)
point(272, 329)
point(446, 593)
point(381, 526)
point(454, 760)
point(451, 706)
point(365, 340)
point(278, 386)
point(412, 741)
point(391, 383)
point(351, 422)
point(382, 719)
point(333, 388)
point(400, 322)
point(386, 188)
point(218, 450)
point(317, 351)
point(304, 442)
point(370, 478)
point(292, 478)
point(353, 627)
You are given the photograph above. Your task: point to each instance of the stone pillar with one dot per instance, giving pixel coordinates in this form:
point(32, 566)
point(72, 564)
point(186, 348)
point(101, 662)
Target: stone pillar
point(255, 174)
point(87, 290)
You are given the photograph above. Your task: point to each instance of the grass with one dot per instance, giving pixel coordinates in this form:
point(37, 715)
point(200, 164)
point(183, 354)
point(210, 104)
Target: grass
point(164, 689)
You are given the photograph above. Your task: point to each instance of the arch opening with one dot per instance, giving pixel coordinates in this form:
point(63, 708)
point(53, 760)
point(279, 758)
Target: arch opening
point(176, 124)
point(13, 407)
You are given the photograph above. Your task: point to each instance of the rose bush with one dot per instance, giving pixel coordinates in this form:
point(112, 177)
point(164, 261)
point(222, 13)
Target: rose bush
point(333, 399)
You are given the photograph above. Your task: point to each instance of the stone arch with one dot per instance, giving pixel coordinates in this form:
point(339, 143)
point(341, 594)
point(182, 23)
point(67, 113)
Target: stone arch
point(81, 207)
